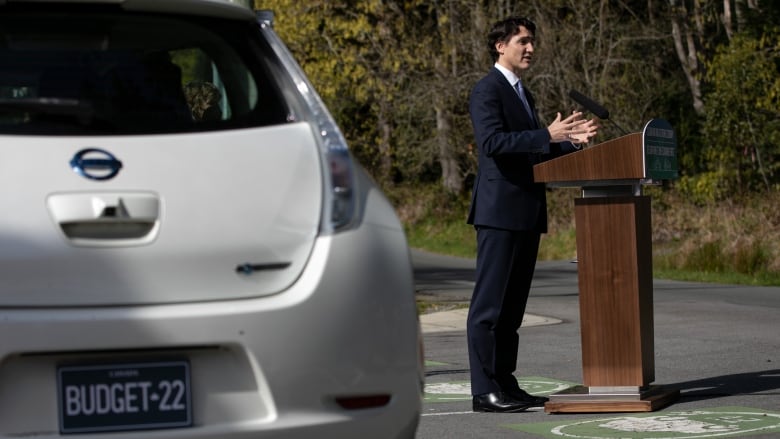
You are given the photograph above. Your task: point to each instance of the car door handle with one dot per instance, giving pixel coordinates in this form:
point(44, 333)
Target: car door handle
point(106, 219)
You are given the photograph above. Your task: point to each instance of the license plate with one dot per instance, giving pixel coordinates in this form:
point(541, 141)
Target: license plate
point(130, 396)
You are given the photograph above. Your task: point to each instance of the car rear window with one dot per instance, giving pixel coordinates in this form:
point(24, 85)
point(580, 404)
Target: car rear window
point(98, 72)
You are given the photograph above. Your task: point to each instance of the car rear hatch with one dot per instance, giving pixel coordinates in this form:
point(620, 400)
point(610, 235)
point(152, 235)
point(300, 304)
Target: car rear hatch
point(188, 217)
point(117, 189)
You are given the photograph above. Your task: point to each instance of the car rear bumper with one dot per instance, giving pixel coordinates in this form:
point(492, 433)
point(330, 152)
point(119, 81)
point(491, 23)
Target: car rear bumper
point(272, 366)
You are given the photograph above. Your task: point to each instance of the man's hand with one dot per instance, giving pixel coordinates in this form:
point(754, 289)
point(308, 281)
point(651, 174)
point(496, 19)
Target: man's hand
point(574, 129)
point(590, 128)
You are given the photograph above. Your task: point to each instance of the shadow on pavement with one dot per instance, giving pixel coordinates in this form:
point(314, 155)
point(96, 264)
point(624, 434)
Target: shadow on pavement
point(729, 385)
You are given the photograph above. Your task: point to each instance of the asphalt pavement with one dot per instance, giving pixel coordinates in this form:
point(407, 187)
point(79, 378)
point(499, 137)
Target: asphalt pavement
point(719, 345)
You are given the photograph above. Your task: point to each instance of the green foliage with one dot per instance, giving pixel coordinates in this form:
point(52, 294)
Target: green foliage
point(742, 126)
point(368, 61)
point(707, 258)
point(397, 76)
point(449, 237)
point(751, 259)
point(559, 245)
point(434, 219)
point(744, 253)
point(187, 60)
point(729, 278)
point(707, 187)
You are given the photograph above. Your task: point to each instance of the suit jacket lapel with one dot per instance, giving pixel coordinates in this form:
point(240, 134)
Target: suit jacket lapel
point(518, 107)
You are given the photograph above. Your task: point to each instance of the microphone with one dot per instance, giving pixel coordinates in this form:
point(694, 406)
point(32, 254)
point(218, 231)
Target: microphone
point(589, 104)
point(593, 107)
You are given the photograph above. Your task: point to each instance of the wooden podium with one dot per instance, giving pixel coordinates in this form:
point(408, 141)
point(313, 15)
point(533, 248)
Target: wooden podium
point(615, 272)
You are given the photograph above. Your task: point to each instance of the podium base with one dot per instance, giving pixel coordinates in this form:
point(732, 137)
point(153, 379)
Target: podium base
point(580, 399)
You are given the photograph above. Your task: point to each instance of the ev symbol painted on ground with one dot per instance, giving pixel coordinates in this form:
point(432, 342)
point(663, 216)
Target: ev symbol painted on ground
point(461, 390)
point(706, 423)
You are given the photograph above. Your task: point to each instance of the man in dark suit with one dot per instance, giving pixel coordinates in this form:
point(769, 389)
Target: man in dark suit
point(509, 211)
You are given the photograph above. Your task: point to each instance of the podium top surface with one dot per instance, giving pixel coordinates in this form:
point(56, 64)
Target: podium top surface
point(617, 159)
point(633, 158)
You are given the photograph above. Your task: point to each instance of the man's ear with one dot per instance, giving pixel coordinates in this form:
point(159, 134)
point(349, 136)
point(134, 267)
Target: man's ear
point(500, 47)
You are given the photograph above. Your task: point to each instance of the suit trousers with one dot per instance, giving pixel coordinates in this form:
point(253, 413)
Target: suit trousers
point(505, 267)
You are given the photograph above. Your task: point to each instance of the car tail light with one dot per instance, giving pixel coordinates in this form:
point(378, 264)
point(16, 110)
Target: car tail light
point(339, 206)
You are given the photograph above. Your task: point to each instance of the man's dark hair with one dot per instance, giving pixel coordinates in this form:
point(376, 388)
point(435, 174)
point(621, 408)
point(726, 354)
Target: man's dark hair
point(504, 30)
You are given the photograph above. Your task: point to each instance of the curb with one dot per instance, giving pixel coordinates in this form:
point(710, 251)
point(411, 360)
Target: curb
point(455, 320)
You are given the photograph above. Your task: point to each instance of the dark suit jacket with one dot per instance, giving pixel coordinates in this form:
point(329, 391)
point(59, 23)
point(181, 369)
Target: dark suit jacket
point(509, 144)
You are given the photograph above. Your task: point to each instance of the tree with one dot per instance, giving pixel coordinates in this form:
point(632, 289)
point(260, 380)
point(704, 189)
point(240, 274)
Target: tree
point(397, 75)
point(738, 79)
point(610, 51)
point(743, 117)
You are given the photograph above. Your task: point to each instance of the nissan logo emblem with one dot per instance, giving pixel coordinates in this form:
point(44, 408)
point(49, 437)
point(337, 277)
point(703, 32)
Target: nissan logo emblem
point(95, 164)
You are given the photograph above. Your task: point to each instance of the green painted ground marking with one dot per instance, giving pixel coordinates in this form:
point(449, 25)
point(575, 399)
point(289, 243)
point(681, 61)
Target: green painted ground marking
point(435, 363)
point(723, 422)
point(448, 392)
point(461, 390)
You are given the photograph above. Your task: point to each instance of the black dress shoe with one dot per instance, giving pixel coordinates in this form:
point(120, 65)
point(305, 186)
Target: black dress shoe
point(524, 397)
point(498, 402)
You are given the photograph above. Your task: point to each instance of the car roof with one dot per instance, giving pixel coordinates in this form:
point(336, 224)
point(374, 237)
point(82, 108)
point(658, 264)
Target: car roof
point(235, 9)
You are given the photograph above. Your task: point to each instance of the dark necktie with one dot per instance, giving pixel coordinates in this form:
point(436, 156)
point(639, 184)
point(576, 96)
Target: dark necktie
point(521, 93)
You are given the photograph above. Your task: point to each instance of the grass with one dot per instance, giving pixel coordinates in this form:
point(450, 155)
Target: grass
point(728, 278)
point(449, 237)
point(730, 242)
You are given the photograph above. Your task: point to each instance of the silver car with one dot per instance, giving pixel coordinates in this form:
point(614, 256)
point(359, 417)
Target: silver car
point(187, 247)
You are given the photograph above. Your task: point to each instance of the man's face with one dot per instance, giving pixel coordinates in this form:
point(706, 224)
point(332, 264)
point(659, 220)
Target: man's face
point(517, 54)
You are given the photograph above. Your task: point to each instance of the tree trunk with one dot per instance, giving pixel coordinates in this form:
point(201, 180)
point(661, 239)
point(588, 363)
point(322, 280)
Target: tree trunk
point(450, 171)
point(687, 51)
point(728, 20)
point(446, 65)
point(385, 155)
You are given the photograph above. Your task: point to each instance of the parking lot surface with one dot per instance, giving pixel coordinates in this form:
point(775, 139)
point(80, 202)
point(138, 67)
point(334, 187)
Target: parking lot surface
point(717, 344)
